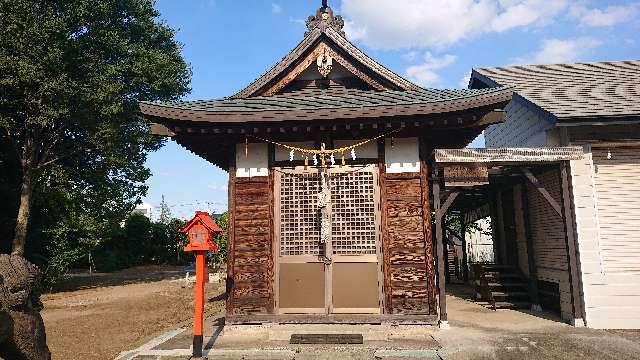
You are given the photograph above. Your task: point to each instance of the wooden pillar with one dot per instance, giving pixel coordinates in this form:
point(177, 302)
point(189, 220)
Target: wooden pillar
point(440, 255)
point(272, 229)
point(425, 150)
point(531, 259)
point(502, 235)
point(574, 277)
point(198, 312)
point(386, 256)
point(493, 214)
point(231, 232)
point(465, 256)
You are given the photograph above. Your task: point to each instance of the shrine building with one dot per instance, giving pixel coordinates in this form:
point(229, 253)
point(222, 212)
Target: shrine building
point(334, 180)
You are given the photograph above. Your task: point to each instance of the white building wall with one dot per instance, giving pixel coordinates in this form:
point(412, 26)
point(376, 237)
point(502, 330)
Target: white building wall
point(402, 156)
point(611, 295)
point(523, 128)
point(254, 162)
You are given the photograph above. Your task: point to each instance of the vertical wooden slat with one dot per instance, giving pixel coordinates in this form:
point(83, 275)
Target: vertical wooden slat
point(231, 232)
point(271, 306)
point(576, 299)
point(465, 256)
point(386, 255)
point(440, 256)
point(276, 240)
point(425, 151)
point(531, 258)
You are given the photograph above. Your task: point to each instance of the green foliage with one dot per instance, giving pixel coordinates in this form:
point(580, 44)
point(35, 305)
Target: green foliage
point(221, 256)
point(455, 222)
point(142, 242)
point(165, 212)
point(71, 75)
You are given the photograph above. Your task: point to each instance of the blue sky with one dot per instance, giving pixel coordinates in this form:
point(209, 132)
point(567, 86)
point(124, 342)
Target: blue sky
point(435, 43)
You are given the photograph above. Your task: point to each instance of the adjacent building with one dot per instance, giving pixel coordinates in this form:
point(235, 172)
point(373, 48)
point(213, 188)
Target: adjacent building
point(595, 106)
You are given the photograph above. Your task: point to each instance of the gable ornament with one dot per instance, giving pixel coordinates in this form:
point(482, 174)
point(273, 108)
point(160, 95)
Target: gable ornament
point(325, 19)
point(325, 64)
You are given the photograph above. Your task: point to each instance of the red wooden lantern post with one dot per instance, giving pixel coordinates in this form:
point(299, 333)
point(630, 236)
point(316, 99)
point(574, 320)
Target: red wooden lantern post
point(201, 231)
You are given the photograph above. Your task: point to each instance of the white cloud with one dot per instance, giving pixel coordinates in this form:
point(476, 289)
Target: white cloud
point(401, 24)
point(297, 21)
point(216, 186)
point(464, 82)
point(275, 8)
point(409, 23)
point(425, 74)
point(609, 16)
point(554, 51)
point(514, 14)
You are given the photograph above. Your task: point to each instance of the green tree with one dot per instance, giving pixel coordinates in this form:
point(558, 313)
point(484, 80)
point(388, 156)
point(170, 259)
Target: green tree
point(165, 212)
point(222, 239)
point(71, 74)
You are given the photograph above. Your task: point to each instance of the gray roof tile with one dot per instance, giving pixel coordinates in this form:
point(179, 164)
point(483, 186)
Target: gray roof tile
point(569, 91)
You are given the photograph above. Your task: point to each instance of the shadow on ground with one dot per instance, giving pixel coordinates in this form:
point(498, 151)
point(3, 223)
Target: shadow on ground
point(137, 275)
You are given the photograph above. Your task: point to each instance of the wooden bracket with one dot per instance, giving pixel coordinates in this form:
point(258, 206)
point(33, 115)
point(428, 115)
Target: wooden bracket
point(534, 181)
point(447, 204)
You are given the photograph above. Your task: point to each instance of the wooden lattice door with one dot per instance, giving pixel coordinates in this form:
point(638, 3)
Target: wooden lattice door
point(342, 275)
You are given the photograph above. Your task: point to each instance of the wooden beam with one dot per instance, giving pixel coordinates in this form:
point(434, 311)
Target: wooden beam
point(160, 130)
point(386, 256)
point(574, 280)
point(465, 256)
point(531, 258)
point(534, 181)
point(425, 149)
point(231, 234)
point(447, 204)
point(332, 319)
point(440, 256)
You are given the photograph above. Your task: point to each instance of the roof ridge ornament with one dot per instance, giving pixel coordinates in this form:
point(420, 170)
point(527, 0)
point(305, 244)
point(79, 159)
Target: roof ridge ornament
point(324, 19)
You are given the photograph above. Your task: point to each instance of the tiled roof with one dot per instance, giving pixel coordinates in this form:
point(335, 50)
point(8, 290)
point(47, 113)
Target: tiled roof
point(361, 99)
point(310, 39)
point(573, 91)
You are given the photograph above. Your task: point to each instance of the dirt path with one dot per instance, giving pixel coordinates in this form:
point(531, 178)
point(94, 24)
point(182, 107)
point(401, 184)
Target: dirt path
point(98, 322)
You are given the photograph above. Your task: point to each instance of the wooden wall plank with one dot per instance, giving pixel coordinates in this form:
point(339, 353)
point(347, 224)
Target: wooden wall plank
point(409, 274)
point(251, 266)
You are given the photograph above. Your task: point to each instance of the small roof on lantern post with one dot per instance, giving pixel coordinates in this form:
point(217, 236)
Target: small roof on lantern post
point(205, 219)
point(202, 219)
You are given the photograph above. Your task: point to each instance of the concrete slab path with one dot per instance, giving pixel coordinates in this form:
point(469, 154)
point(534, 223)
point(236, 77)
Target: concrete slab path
point(475, 333)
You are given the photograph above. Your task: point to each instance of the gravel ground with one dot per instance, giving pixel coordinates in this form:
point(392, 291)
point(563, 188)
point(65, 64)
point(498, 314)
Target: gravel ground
point(103, 318)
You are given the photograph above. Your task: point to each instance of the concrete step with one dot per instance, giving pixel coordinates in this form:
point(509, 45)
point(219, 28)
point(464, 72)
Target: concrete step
point(503, 285)
point(509, 294)
point(513, 304)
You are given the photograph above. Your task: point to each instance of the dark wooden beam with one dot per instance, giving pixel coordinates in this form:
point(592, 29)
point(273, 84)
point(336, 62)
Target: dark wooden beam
point(465, 256)
point(531, 257)
point(425, 150)
point(386, 256)
point(332, 319)
point(447, 204)
point(440, 255)
point(160, 130)
point(231, 234)
point(541, 189)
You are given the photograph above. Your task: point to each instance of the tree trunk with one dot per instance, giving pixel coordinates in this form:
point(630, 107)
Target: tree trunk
point(26, 190)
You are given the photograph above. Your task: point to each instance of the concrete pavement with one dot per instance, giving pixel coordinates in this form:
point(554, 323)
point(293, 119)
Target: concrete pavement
point(475, 333)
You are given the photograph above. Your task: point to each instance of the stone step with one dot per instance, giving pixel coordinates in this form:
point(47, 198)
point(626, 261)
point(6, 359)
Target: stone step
point(513, 304)
point(509, 294)
point(505, 284)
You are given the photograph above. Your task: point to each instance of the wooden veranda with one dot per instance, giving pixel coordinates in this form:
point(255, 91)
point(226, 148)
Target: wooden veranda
point(490, 173)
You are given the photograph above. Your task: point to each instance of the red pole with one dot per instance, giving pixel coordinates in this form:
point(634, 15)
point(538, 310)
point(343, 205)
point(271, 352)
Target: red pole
point(198, 315)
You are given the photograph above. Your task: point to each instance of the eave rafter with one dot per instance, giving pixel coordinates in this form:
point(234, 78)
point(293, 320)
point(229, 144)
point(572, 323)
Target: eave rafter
point(321, 48)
